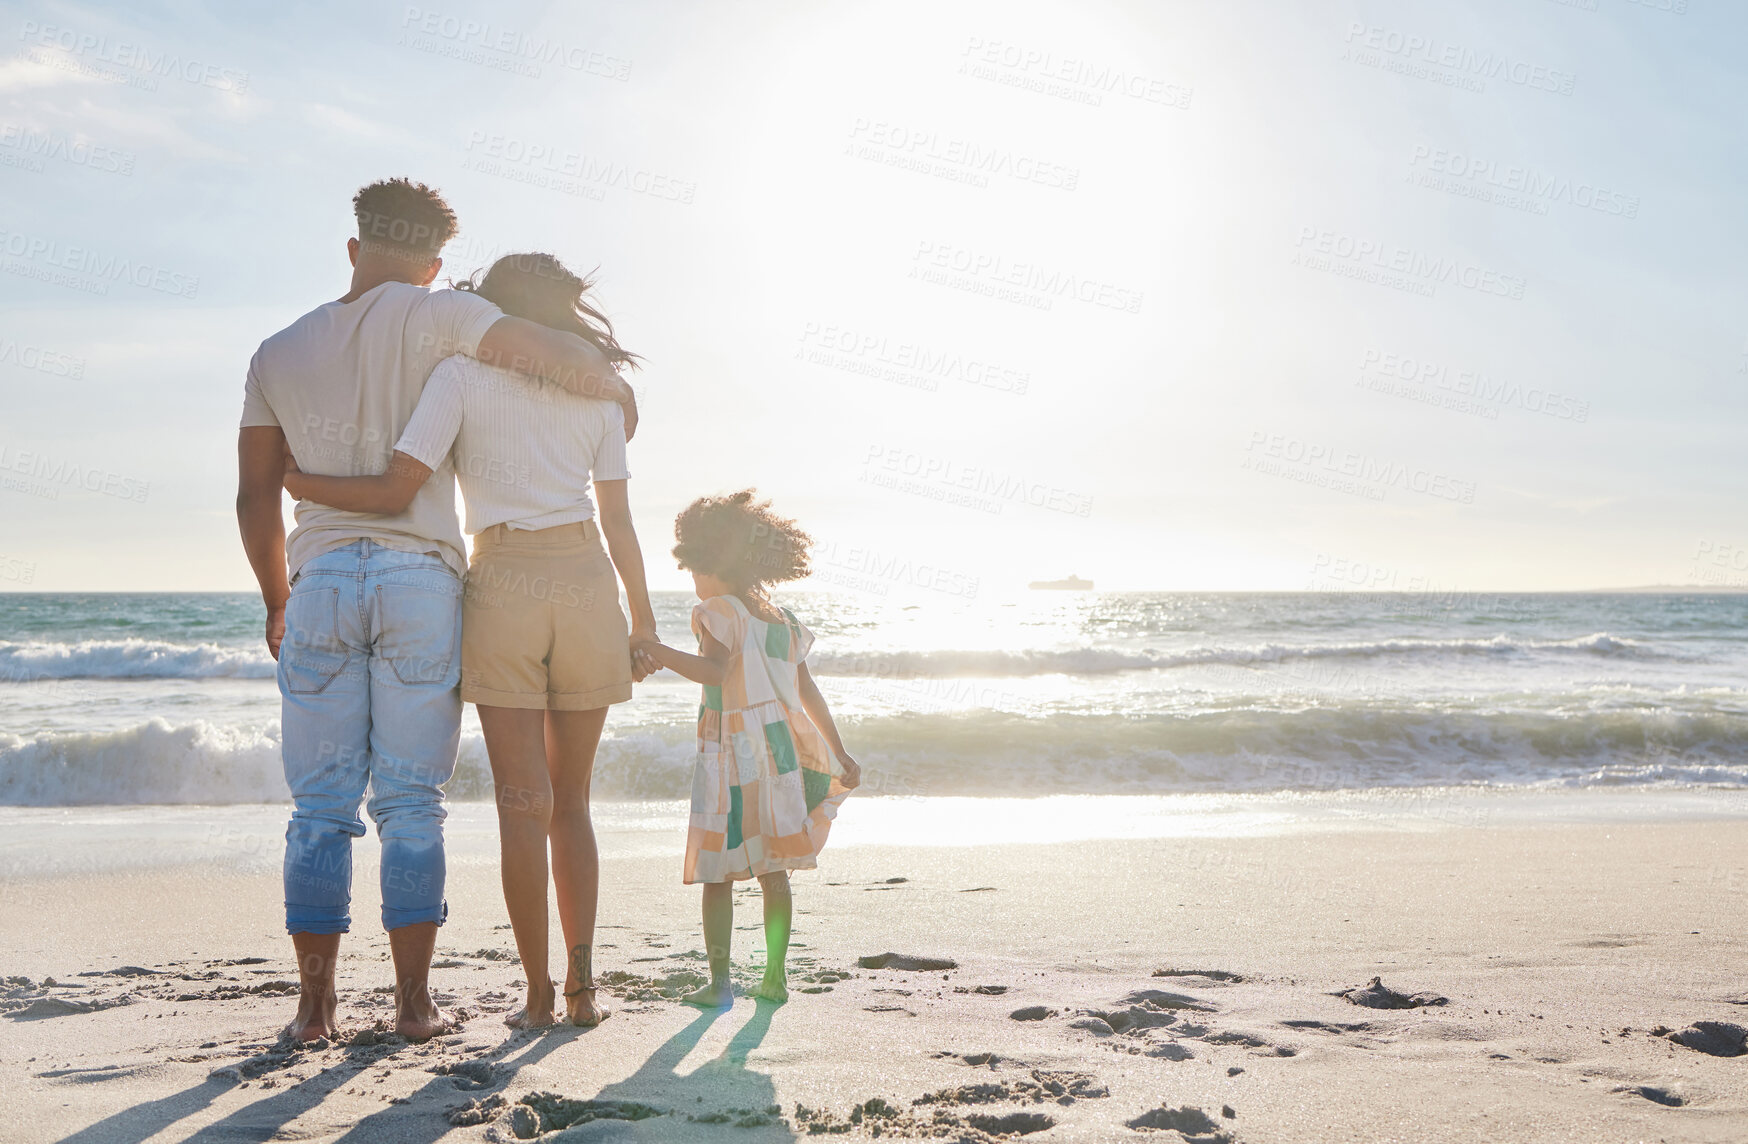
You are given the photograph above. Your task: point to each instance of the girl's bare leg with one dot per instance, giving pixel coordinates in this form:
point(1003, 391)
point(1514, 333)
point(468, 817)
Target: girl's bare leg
point(516, 743)
point(571, 740)
point(718, 930)
point(779, 916)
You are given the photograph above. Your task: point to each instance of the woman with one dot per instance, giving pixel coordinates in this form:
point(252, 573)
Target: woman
point(544, 646)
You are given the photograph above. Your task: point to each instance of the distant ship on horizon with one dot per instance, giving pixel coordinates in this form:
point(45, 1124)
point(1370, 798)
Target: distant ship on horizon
point(1073, 584)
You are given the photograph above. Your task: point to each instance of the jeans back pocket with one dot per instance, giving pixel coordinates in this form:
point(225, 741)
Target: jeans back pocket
point(312, 654)
point(418, 629)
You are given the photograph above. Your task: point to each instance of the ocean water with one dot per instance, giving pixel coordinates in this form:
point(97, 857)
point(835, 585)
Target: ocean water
point(170, 698)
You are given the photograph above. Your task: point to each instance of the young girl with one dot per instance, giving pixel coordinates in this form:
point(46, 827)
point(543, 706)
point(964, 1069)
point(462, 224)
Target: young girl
point(771, 770)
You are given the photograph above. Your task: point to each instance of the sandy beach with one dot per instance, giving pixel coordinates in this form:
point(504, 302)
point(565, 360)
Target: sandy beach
point(1191, 960)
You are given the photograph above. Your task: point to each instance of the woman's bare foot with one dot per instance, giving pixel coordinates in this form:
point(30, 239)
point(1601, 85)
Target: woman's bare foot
point(315, 1017)
point(775, 987)
point(537, 1012)
point(581, 1008)
point(716, 995)
point(417, 1017)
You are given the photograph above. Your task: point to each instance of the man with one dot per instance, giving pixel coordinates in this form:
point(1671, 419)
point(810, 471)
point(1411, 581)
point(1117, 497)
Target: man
point(364, 612)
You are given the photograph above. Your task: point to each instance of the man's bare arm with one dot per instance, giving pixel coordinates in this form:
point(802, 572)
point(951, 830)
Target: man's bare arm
point(260, 469)
point(567, 360)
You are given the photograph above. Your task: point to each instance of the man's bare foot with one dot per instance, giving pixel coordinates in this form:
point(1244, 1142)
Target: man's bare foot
point(716, 995)
point(775, 987)
point(417, 1017)
point(581, 1008)
point(315, 1016)
point(537, 1012)
point(317, 954)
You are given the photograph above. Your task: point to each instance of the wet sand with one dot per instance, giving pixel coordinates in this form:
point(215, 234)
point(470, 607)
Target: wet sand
point(1181, 982)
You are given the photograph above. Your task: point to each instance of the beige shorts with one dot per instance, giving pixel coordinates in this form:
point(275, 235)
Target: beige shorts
point(541, 627)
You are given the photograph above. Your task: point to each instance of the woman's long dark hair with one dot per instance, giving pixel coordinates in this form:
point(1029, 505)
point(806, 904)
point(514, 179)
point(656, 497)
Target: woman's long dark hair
point(539, 288)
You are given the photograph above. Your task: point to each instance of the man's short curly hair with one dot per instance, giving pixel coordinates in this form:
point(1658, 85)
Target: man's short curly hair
point(738, 538)
point(403, 219)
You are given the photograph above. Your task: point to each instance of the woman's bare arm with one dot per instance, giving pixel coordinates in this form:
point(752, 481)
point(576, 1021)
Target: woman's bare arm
point(386, 493)
point(613, 503)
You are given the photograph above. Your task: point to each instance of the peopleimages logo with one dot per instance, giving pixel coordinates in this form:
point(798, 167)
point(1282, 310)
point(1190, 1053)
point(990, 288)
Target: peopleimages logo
point(89, 48)
point(1430, 51)
point(873, 570)
point(929, 152)
point(1524, 181)
point(99, 268)
point(859, 351)
point(52, 362)
point(1321, 249)
point(510, 42)
point(1081, 81)
point(45, 476)
point(510, 156)
point(1368, 476)
point(1469, 383)
point(973, 486)
point(64, 148)
point(1030, 282)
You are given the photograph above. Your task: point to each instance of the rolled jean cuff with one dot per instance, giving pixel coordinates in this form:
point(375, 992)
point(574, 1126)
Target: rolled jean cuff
point(305, 919)
point(393, 919)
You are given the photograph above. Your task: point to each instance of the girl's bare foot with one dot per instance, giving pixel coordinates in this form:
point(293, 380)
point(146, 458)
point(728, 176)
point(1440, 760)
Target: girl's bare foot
point(716, 995)
point(536, 1013)
point(581, 1008)
point(775, 987)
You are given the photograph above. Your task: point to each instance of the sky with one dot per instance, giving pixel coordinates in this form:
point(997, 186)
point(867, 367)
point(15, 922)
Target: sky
point(1256, 295)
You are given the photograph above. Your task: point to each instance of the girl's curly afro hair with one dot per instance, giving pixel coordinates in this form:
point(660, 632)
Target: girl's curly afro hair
point(738, 538)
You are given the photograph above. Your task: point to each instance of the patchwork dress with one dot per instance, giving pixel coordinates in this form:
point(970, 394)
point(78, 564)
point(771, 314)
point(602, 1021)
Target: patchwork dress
point(766, 785)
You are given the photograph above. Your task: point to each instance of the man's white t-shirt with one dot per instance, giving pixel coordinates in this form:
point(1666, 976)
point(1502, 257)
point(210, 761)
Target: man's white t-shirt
point(523, 449)
point(342, 381)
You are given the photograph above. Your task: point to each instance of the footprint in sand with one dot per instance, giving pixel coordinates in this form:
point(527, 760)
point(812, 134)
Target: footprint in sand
point(541, 1112)
point(1142, 1009)
point(1333, 1026)
point(476, 1112)
point(1714, 1038)
point(1653, 1094)
point(907, 962)
point(24, 1000)
point(1038, 1086)
point(1011, 1123)
point(1374, 994)
point(1246, 1040)
point(975, 1060)
point(470, 1076)
point(1219, 975)
point(1194, 1125)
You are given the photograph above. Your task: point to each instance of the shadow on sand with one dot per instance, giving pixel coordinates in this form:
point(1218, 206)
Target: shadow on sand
point(264, 1119)
point(721, 1093)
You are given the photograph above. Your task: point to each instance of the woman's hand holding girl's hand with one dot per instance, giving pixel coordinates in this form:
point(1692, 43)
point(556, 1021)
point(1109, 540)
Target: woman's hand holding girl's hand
point(852, 771)
point(643, 660)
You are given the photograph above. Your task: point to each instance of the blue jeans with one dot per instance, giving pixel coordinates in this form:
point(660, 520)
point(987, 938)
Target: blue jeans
point(368, 673)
